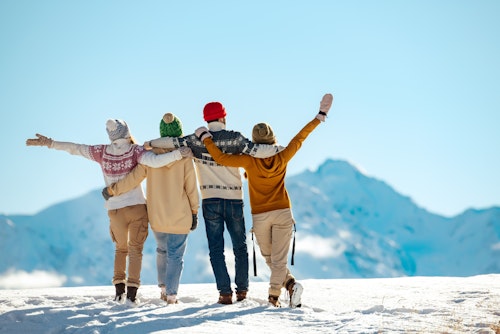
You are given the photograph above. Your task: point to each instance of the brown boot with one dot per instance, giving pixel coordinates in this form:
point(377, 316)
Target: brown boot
point(225, 298)
point(273, 300)
point(241, 295)
point(289, 285)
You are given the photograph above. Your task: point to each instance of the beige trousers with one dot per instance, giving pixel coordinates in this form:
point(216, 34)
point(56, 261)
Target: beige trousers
point(129, 230)
point(273, 231)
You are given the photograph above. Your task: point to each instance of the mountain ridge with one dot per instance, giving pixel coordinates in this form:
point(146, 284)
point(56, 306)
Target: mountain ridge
point(349, 225)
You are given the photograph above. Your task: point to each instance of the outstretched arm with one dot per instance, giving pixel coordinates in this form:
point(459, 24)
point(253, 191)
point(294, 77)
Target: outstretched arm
point(71, 148)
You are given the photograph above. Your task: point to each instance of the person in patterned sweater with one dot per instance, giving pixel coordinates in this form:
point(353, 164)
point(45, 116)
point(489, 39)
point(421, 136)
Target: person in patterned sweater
point(173, 202)
point(270, 205)
point(128, 217)
point(222, 196)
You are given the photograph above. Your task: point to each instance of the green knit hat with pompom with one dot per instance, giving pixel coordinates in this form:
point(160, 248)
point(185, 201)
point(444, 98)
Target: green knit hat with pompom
point(170, 126)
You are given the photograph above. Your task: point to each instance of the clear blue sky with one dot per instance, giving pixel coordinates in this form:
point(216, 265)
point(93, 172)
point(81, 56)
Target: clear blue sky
point(416, 86)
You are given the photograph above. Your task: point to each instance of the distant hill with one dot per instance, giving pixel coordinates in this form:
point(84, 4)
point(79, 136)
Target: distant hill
point(349, 225)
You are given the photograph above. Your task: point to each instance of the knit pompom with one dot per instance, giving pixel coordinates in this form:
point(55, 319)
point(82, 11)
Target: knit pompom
point(170, 126)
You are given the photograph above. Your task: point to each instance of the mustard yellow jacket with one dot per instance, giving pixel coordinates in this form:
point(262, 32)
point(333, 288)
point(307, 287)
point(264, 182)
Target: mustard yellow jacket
point(266, 176)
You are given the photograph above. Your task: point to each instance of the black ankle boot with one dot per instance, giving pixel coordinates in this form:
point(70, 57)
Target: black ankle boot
point(120, 291)
point(131, 293)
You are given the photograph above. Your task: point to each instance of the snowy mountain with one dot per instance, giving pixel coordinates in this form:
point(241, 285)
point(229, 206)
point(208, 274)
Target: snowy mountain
point(383, 233)
point(349, 225)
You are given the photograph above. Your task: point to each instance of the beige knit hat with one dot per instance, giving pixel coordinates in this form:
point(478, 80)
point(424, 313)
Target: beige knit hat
point(262, 133)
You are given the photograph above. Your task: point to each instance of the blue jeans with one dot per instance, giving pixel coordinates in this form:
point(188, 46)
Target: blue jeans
point(170, 259)
point(216, 211)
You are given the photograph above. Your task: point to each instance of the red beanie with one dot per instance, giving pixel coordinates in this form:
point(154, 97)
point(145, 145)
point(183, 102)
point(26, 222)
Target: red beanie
point(213, 111)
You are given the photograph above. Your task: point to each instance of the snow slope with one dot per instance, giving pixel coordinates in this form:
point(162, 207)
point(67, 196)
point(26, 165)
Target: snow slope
point(389, 305)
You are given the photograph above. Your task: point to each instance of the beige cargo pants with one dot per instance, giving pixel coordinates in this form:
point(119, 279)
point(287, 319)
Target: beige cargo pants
point(273, 231)
point(129, 230)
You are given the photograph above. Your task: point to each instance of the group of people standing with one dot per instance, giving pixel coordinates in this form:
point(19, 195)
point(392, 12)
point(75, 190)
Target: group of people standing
point(172, 199)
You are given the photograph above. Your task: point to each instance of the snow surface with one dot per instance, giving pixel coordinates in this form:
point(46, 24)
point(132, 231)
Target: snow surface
point(376, 305)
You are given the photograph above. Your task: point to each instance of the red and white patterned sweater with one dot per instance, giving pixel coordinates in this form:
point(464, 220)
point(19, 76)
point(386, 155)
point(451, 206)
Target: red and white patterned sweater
point(117, 160)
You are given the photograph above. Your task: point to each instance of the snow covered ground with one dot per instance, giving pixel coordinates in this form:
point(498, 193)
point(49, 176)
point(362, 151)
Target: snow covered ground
point(387, 305)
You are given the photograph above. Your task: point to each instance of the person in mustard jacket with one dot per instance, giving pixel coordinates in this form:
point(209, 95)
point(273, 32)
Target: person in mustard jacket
point(172, 202)
point(272, 217)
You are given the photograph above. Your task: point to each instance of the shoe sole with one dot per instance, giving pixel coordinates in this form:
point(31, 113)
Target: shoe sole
point(297, 293)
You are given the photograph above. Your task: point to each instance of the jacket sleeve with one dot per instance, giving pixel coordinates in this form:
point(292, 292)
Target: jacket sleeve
point(151, 159)
point(296, 142)
point(130, 181)
point(257, 150)
point(170, 142)
point(231, 160)
point(265, 151)
point(191, 185)
point(72, 148)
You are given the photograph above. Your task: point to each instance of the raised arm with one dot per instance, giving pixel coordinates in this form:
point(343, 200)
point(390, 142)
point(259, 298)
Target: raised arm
point(297, 141)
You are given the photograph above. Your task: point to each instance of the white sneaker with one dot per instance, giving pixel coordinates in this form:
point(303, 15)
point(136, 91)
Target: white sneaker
point(295, 295)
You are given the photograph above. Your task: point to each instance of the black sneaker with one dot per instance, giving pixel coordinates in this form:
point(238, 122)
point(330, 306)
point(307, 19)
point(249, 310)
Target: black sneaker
point(120, 291)
point(131, 293)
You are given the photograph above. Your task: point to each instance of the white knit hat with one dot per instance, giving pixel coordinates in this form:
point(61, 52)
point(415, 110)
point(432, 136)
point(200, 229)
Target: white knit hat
point(117, 129)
